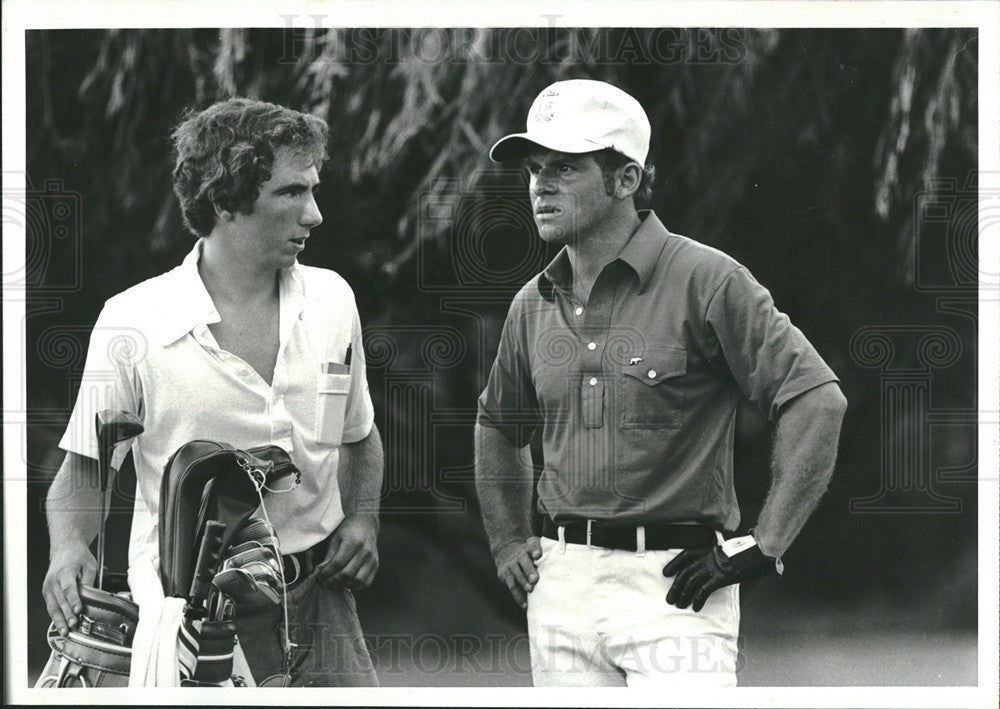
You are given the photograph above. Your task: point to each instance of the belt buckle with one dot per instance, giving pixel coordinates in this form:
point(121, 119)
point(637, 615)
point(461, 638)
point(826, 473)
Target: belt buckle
point(590, 524)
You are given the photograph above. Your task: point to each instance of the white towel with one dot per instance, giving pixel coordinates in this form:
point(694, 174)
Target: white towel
point(155, 661)
point(154, 649)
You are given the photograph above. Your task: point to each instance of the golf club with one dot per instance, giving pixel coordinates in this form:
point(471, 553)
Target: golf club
point(112, 427)
point(209, 554)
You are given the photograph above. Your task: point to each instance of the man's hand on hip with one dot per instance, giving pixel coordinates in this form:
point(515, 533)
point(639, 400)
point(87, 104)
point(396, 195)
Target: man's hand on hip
point(69, 566)
point(699, 572)
point(516, 568)
point(352, 554)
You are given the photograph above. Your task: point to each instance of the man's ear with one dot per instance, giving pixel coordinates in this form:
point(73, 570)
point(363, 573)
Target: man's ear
point(223, 214)
point(627, 180)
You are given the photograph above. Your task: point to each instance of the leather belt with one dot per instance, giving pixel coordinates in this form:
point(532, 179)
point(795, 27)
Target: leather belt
point(657, 537)
point(300, 564)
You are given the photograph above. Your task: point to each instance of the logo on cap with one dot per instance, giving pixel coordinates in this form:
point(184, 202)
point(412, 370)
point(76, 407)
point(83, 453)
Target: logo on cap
point(546, 106)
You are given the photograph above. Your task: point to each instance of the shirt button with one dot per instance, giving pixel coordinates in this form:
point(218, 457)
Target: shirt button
point(593, 381)
point(651, 374)
point(592, 346)
point(579, 311)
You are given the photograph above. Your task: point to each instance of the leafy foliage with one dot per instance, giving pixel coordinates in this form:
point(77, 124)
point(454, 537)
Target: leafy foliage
point(800, 152)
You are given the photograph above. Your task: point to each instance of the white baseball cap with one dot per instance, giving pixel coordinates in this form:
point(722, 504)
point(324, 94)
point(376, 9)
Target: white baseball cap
point(580, 116)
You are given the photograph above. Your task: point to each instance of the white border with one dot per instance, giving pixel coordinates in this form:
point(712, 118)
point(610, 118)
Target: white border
point(14, 431)
point(19, 15)
point(79, 14)
point(989, 353)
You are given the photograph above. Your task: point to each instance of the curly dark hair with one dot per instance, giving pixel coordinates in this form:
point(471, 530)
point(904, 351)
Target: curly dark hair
point(610, 160)
point(225, 152)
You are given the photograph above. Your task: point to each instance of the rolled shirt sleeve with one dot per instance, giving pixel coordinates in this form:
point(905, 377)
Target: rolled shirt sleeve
point(359, 416)
point(509, 403)
point(770, 359)
point(110, 379)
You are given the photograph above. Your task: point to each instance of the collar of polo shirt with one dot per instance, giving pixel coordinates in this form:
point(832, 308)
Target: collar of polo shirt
point(640, 253)
point(189, 305)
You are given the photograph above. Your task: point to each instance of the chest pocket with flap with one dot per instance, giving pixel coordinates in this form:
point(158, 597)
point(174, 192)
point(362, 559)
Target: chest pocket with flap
point(652, 394)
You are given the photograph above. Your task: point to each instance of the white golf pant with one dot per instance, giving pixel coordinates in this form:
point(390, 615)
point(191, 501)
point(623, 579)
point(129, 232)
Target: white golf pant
point(598, 617)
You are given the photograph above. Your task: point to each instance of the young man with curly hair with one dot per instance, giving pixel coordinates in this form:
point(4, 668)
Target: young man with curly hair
point(230, 346)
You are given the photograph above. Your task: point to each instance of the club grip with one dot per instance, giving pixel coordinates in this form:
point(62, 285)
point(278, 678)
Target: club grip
point(208, 562)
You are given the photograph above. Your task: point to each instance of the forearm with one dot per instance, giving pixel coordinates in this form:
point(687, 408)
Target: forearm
point(504, 486)
point(72, 503)
point(805, 451)
point(71, 510)
point(360, 475)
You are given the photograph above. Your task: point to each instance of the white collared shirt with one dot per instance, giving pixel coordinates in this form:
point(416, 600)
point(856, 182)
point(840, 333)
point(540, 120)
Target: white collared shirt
point(151, 353)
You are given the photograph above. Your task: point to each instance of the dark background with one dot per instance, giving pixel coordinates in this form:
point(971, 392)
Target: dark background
point(838, 165)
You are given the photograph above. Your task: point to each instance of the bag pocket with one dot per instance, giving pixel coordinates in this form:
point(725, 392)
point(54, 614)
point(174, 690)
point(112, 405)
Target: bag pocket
point(652, 394)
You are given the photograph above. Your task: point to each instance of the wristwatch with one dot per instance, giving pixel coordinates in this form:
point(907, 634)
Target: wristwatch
point(739, 544)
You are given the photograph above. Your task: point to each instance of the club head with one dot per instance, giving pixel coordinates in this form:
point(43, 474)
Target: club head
point(114, 426)
point(245, 587)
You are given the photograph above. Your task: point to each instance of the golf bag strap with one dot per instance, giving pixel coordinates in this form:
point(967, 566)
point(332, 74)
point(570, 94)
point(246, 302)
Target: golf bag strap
point(242, 675)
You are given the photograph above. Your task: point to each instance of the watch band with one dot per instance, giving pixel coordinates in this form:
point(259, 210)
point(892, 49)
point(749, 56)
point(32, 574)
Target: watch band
point(779, 566)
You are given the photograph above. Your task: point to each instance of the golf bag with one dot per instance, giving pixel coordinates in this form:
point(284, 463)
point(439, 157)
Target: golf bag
point(208, 493)
point(98, 651)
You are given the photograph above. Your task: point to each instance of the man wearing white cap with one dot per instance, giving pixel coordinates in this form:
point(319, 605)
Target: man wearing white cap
point(628, 355)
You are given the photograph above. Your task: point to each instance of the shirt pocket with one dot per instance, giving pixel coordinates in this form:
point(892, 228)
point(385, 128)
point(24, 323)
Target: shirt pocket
point(331, 406)
point(652, 389)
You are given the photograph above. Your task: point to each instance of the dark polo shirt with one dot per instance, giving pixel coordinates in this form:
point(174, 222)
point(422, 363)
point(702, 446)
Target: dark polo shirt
point(635, 391)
